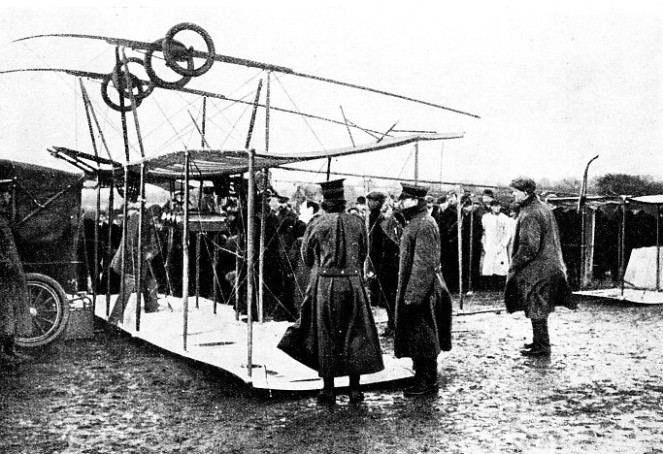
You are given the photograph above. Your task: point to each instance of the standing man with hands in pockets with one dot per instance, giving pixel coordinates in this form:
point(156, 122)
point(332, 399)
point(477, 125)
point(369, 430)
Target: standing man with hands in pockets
point(536, 282)
point(423, 302)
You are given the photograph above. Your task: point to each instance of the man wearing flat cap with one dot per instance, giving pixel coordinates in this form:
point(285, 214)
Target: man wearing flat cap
point(335, 333)
point(15, 317)
point(384, 233)
point(536, 281)
point(423, 302)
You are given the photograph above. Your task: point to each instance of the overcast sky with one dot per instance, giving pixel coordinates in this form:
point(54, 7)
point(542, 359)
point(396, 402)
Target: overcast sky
point(554, 85)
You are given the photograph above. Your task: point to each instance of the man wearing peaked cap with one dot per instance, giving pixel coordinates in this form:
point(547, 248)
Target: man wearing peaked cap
point(536, 281)
point(423, 302)
point(411, 191)
point(336, 333)
point(15, 317)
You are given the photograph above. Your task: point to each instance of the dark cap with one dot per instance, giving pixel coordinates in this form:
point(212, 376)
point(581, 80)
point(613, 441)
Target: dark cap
point(333, 190)
point(283, 199)
point(524, 184)
point(376, 195)
point(6, 185)
point(411, 191)
point(488, 192)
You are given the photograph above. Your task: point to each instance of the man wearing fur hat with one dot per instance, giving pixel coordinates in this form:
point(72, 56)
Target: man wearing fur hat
point(423, 302)
point(338, 333)
point(536, 281)
point(14, 311)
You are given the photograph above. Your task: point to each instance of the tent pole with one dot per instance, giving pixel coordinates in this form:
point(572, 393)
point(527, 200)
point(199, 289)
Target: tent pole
point(249, 262)
point(185, 253)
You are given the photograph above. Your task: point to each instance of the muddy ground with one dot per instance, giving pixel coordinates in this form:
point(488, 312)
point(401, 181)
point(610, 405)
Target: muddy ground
point(601, 391)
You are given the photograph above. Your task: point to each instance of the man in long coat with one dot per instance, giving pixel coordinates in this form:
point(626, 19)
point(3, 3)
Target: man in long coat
point(423, 302)
point(15, 317)
point(536, 282)
point(336, 324)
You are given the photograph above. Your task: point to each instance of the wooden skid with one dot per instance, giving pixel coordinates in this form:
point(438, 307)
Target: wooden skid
point(630, 295)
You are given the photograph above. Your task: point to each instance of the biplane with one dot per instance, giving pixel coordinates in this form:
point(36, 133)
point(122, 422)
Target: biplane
point(233, 334)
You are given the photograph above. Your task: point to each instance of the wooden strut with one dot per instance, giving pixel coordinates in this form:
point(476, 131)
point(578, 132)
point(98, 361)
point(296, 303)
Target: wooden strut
point(249, 263)
point(185, 252)
point(459, 232)
point(250, 209)
point(263, 202)
point(111, 203)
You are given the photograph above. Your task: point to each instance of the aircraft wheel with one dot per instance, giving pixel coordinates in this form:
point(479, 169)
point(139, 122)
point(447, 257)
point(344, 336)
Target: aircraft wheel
point(171, 57)
point(179, 52)
point(121, 89)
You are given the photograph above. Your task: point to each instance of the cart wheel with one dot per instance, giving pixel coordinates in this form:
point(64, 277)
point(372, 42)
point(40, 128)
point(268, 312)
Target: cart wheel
point(49, 310)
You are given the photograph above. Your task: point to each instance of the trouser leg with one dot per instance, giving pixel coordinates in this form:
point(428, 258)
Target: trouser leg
point(150, 290)
point(123, 298)
point(541, 335)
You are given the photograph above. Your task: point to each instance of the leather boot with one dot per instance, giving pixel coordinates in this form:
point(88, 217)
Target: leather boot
point(355, 393)
point(541, 344)
point(328, 393)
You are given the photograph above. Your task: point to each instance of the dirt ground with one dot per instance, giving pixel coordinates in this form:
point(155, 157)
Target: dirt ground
point(601, 391)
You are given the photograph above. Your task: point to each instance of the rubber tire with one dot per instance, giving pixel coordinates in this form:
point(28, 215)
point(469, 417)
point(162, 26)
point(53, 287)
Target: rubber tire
point(159, 82)
point(146, 91)
point(127, 107)
point(172, 61)
point(43, 282)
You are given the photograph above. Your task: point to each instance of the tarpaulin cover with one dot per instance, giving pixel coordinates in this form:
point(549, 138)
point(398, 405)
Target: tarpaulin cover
point(48, 231)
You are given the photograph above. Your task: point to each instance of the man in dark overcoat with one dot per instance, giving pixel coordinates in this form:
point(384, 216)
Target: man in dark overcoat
point(337, 324)
point(423, 302)
point(536, 281)
point(384, 234)
point(448, 224)
point(15, 317)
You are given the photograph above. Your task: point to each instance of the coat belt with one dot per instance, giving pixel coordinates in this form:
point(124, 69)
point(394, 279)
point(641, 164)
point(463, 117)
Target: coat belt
point(337, 272)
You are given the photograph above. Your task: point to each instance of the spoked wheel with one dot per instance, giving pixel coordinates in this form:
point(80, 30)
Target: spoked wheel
point(49, 310)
